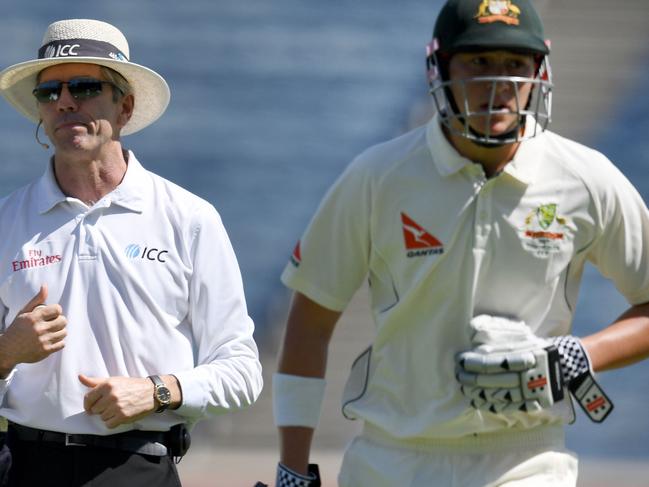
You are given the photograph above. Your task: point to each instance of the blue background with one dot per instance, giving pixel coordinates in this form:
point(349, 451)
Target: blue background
point(270, 101)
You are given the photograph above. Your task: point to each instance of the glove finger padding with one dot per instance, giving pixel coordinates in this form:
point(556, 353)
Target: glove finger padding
point(484, 361)
point(493, 396)
point(506, 407)
point(489, 381)
point(518, 380)
point(511, 369)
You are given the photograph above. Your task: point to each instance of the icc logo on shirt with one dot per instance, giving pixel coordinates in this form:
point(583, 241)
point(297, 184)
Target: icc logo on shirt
point(134, 251)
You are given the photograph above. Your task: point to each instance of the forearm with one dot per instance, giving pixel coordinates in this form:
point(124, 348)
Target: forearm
point(295, 441)
point(295, 445)
point(304, 354)
point(623, 343)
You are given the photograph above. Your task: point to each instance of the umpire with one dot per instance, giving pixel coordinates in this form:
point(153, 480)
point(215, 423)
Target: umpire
point(122, 311)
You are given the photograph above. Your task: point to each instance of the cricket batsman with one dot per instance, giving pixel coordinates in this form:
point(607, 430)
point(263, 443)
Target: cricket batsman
point(473, 232)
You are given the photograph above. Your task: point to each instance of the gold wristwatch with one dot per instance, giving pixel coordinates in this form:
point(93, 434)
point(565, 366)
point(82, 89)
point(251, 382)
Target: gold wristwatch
point(161, 393)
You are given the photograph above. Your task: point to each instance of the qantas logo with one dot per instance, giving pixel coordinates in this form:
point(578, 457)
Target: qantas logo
point(419, 241)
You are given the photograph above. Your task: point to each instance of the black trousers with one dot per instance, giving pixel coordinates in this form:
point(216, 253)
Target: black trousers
point(40, 464)
point(5, 460)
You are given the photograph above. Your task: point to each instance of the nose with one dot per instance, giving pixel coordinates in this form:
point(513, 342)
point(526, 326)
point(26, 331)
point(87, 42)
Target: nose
point(504, 87)
point(66, 102)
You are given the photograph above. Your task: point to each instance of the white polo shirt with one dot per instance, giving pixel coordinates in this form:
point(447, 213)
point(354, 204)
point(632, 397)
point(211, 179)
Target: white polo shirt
point(149, 283)
point(440, 244)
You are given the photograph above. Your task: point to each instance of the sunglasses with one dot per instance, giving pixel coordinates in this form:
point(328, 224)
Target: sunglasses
point(79, 88)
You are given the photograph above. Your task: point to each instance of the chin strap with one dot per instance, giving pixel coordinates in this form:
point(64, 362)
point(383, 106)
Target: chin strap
point(497, 140)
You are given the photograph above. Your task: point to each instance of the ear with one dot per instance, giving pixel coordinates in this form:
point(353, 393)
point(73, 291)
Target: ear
point(127, 104)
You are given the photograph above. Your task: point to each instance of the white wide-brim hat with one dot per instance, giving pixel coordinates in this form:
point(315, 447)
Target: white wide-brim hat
point(92, 42)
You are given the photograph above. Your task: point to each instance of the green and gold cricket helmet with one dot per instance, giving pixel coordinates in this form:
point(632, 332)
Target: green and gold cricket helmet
point(488, 25)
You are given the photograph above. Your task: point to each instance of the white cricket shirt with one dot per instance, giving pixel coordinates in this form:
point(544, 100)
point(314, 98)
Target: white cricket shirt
point(149, 283)
point(440, 244)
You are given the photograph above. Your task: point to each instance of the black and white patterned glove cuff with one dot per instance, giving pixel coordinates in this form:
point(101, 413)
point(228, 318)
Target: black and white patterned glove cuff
point(572, 357)
point(578, 376)
point(289, 478)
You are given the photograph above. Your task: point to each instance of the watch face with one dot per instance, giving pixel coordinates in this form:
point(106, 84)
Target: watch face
point(163, 395)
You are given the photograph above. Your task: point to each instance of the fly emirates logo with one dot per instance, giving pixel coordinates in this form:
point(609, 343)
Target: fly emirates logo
point(35, 258)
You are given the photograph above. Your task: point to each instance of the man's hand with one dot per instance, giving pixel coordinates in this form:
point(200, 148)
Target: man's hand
point(38, 331)
point(528, 379)
point(118, 400)
point(511, 369)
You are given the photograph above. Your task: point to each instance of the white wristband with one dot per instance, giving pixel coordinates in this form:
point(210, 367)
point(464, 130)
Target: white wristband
point(297, 401)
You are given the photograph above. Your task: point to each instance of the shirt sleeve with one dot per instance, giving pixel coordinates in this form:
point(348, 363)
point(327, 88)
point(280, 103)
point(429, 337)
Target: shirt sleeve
point(227, 374)
point(331, 259)
point(4, 383)
point(621, 249)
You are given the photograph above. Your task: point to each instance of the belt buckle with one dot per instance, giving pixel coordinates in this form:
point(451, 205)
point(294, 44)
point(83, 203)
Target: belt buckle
point(70, 442)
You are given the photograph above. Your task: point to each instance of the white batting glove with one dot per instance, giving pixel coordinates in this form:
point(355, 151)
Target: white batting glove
point(289, 478)
point(510, 369)
point(502, 379)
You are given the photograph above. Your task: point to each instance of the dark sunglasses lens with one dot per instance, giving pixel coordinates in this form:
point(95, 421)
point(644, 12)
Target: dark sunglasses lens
point(48, 91)
point(79, 88)
point(82, 89)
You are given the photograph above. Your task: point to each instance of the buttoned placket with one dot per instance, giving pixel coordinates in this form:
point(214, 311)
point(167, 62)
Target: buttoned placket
point(86, 230)
point(482, 188)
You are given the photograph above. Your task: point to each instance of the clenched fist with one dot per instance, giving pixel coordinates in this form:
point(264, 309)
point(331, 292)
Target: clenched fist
point(38, 331)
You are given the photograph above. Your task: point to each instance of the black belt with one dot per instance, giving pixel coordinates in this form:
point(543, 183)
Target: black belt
point(144, 442)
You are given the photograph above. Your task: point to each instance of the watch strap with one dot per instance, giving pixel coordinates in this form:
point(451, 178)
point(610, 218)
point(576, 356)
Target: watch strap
point(158, 384)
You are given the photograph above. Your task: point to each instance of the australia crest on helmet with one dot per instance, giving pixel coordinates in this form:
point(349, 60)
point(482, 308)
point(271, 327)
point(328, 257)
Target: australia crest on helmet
point(498, 11)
